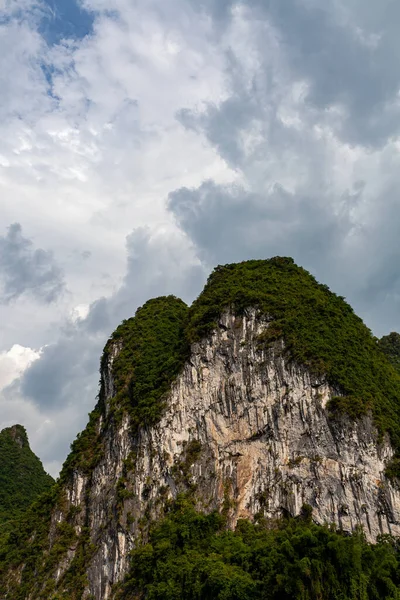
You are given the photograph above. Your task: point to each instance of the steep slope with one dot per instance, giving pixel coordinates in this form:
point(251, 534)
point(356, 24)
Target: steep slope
point(22, 477)
point(266, 395)
point(390, 345)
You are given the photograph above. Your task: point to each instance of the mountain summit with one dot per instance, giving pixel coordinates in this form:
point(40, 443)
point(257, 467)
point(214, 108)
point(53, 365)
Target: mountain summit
point(22, 477)
point(267, 397)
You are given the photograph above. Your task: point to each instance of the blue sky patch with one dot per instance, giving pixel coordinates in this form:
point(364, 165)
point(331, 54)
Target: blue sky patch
point(65, 19)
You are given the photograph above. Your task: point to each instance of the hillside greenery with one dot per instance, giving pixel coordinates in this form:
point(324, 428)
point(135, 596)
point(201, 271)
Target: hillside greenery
point(390, 345)
point(153, 350)
point(22, 477)
point(86, 449)
point(192, 556)
point(24, 541)
point(319, 328)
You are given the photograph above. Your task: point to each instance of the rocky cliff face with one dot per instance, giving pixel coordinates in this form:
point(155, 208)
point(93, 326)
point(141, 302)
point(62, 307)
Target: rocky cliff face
point(246, 429)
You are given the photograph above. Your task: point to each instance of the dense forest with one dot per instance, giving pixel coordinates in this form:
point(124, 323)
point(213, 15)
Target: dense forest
point(22, 477)
point(192, 556)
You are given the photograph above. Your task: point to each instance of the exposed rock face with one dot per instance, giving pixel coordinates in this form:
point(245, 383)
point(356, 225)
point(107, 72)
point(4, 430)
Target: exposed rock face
point(252, 433)
point(18, 434)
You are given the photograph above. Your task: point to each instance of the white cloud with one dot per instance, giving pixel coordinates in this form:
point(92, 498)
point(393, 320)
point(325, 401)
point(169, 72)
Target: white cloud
point(79, 312)
point(14, 362)
point(94, 155)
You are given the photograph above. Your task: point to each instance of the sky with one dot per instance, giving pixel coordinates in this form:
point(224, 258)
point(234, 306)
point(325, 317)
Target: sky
point(144, 142)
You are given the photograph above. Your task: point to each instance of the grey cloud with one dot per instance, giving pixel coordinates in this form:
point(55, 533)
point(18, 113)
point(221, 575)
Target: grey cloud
point(298, 195)
point(63, 371)
point(229, 224)
point(347, 53)
point(66, 374)
point(373, 263)
point(155, 266)
point(24, 269)
point(343, 67)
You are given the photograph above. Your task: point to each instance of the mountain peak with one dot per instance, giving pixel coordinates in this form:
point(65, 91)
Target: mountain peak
point(18, 434)
point(266, 396)
point(22, 477)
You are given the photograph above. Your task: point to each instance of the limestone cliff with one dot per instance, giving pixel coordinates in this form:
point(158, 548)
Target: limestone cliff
point(244, 428)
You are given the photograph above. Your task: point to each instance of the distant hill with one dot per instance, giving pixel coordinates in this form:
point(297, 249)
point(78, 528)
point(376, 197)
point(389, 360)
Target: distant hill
point(22, 477)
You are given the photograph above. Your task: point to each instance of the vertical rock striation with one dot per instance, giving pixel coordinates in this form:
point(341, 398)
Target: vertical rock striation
point(245, 428)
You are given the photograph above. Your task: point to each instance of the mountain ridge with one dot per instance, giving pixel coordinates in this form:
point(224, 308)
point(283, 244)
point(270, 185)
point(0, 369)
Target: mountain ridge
point(241, 404)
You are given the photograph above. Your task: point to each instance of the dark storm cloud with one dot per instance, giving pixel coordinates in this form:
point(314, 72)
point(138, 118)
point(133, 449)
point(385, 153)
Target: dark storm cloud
point(346, 53)
point(344, 64)
point(63, 372)
point(372, 265)
point(228, 224)
point(24, 269)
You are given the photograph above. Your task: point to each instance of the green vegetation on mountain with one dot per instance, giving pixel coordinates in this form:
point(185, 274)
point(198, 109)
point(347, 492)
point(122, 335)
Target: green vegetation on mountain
point(25, 543)
point(319, 328)
point(390, 345)
point(22, 477)
point(153, 350)
point(191, 556)
point(86, 449)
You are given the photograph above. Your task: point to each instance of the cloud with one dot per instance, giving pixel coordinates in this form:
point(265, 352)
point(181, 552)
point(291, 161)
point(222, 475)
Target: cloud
point(24, 269)
point(14, 362)
point(229, 224)
point(61, 385)
point(89, 143)
point(314, 148)
point(344, 52)
point(88, 148)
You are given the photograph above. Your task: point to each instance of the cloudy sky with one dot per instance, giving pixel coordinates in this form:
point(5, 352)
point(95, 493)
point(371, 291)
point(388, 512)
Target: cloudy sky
point(144, 142)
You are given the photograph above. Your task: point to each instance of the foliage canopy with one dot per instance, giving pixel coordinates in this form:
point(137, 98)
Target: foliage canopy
point(22, 477)
point(191, 556)
point(390, 345)
point(153, 349)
